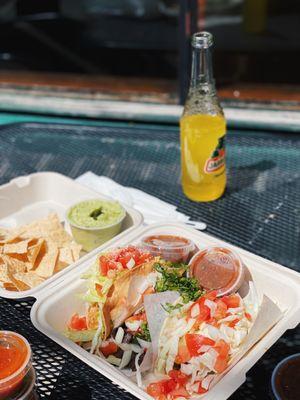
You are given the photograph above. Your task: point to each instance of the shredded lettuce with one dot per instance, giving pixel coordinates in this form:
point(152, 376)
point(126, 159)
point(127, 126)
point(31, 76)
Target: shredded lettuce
point(93, 277)
point(81, 336)
point(144, 334)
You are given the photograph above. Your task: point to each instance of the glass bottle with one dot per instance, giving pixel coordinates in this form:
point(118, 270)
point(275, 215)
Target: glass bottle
point(202, 129)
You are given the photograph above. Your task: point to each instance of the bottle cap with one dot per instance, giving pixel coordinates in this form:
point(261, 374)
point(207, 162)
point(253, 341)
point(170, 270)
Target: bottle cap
point(202, 40)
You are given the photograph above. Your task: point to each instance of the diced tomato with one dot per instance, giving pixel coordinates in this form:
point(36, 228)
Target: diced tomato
point(220, 364)
point(201, 390)
point(179, 392)
point(138, 317)
point(212, 321)
point(112, 265)
point(211, 295)
point(98, 288)
point(144, 257)
point(124, 259)
point(109, 348)
point(232, 301)
point(221, 310)
point(248, 316)
point(163, 387)
point(183, 354)
point(222, 348)
point(233, 323)
point(78, 323)
point(178, 376)
point(194, 342)
point(204, 313)
point(103, 265)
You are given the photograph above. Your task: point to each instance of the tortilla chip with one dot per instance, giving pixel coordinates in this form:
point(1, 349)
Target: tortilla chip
point(19, 284)
point(76, 249)
point(33, 252)
point(59, 266)
point(16, 248)
point(4, 273)
point(10, 286)
point(7, 236)
point(30, 279)
point(66, 255)
point(46, 266)
point(48, 228)
point(13, 265)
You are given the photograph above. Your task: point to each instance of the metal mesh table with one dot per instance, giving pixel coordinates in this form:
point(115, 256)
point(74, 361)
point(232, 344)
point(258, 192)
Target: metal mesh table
point(259, 212)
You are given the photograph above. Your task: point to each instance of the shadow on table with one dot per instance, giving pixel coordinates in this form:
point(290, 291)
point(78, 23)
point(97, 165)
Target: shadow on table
point(250, 175)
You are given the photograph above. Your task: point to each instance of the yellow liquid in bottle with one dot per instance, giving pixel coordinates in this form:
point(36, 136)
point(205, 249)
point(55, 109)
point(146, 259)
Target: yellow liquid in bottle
point(203, 156)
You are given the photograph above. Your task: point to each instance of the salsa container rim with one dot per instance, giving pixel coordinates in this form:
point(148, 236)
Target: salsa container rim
point(25, 363)
point(237, 375)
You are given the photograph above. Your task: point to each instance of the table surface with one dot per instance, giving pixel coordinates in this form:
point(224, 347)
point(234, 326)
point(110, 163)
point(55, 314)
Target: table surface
point(259, 212)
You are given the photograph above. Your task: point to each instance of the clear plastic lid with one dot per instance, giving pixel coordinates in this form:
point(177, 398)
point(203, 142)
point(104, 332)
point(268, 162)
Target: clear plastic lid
point(218, 268)
point(169, 247)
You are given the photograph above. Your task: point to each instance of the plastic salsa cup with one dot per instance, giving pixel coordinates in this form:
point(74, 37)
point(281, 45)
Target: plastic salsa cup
point(217, 268)
point(169, 247)
point(94, 222)
point(17, 376)
point(285, 380)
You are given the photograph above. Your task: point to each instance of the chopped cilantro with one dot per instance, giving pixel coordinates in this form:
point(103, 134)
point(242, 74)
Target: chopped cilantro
point(144, 333)
point(172, 279)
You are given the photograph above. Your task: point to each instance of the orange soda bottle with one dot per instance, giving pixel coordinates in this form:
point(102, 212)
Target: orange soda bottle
point(202, 129)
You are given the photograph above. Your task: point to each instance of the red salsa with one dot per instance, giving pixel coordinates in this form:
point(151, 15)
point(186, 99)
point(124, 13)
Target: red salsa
point(15, 362)
point(217, 268)
point(169, 247)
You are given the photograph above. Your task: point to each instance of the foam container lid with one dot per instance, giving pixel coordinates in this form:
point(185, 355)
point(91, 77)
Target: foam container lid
point(34, 196)
point(60, 300)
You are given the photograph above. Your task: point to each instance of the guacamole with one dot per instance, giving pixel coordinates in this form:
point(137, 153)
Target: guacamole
point(96, 213)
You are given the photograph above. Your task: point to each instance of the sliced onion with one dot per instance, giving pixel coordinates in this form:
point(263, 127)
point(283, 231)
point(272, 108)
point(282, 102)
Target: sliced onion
point(138, 370)
point(130, 264)
point(204, 349)
point(143, 343)
point(235, 310)
point(209, 359)
point(186, 369)
point(212, 307)
point(133, 326)
point(195, 311)
point(120, 335)
point(129, 346)
point(206, 381)
point(125, 359)
point(114, 360)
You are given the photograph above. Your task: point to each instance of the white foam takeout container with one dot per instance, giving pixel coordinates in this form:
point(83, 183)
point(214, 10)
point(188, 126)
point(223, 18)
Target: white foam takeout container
point(58, 302)
point(34, 196)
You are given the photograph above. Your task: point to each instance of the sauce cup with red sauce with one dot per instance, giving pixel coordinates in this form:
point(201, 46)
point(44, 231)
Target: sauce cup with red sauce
point(169, 247)
point(217, 268)
point(17, 376)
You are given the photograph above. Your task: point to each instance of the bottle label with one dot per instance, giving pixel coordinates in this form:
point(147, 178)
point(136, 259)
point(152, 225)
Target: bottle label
point(217, 158)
